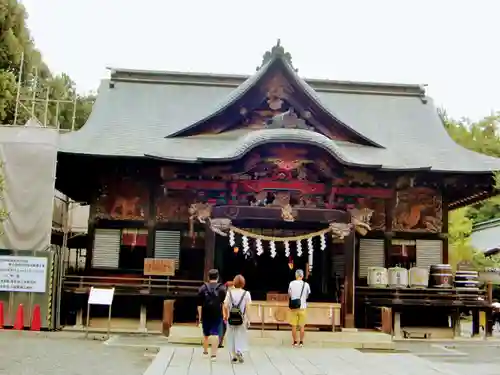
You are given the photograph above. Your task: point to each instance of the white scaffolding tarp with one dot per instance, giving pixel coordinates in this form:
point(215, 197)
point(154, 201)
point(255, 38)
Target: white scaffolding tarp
point(29, 156)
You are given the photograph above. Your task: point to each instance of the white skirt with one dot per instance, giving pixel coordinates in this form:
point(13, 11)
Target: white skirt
point(237, 338)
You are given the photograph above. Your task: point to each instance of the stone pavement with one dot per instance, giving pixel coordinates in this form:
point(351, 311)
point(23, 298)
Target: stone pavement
point(59, 353)
point(306, 361)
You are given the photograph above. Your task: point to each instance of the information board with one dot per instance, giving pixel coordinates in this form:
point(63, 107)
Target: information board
point(102, 296)
point(159, 267)
point(23, 274)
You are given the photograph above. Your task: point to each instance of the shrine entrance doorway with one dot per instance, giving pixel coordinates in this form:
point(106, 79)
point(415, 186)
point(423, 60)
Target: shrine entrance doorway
point(269, 271)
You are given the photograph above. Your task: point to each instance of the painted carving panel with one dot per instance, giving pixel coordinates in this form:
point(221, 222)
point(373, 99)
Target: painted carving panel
point(122, 199)
point(418, 209)
point(173, 206)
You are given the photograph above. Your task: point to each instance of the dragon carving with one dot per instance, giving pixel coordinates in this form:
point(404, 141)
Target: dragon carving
point(340, 230)
point(203, 212)
point(361, 218)
point(200, 212)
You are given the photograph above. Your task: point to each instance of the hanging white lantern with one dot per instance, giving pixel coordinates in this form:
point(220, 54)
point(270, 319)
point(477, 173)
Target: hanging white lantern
point(232, 241)
point(322, 241)
point(272, 247)
point(259, 247)
point(287, 249)
point(299, 248)
point(244, 241)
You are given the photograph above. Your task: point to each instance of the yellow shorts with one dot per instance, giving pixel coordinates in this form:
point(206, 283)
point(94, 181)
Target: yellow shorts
point(297, 318)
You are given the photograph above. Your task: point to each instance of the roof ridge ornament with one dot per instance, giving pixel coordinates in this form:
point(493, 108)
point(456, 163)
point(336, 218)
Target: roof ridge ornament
point(277, 52)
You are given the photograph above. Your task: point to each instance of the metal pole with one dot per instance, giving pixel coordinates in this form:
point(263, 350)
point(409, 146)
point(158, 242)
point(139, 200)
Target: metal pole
point(18, 88)
point(88, 321)
point(57, 115)
point(46, 108)
point(73, 120)
point(64, 250)
point(33, 99)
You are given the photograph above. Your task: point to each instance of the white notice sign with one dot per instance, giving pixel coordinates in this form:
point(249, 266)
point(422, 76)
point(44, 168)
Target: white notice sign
point(23, 274)
point(101, 296)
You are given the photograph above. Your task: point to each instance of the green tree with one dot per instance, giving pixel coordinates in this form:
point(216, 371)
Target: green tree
point(481, 136)
point(459, 230)
point(16, 47)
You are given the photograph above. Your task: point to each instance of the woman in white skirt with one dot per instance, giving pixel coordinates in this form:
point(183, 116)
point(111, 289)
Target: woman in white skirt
point(235, 314)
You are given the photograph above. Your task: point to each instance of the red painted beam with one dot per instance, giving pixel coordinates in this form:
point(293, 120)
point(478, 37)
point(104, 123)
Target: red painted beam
point(255, 186)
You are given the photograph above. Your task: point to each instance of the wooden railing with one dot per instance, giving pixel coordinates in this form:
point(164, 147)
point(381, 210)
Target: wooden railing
point(133, 285)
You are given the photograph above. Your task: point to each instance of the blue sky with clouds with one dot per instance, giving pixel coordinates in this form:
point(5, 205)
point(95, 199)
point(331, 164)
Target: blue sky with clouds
point(450, 45)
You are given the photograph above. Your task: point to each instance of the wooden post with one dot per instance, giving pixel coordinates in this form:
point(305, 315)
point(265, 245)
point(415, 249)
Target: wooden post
point(151, 221)
point(475, 322)
point(209, 250)
point(397, 325)
point(488, 330)
point(168, 316)
point(445, 228)
point(455, 323)
point(349, 280)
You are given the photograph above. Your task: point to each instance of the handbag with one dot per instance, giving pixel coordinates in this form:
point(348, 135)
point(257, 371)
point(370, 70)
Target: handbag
point(295, 303)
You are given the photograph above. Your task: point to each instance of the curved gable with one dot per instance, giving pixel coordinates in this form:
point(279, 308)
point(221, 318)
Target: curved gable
point(274, 97)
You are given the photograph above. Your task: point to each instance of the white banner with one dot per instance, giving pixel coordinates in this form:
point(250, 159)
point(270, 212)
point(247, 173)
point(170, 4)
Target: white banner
point(23, 274)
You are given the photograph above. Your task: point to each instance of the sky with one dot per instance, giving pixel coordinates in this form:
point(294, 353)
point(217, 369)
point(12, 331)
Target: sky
point(452, 46)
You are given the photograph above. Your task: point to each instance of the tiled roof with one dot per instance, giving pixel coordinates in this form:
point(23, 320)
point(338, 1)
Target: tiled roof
point(485, 237)
point(132, 117)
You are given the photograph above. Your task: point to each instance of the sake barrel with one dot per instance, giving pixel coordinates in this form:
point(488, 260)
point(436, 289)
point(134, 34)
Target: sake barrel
point(467, 280)
point(419, 277)
point(398, 277)
point(377, 277)
point(441, 276)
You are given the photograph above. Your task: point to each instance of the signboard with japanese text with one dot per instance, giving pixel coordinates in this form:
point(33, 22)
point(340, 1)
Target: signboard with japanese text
point(159, 267)
point(23, 274)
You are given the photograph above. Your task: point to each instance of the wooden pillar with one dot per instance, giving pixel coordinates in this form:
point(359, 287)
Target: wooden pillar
point(476, 323)
point(326, 270)
point(91, 230)
point(445, 228)
point(456, 323)
point(397, 325)
point(90, 243)
point(488, 330)
point(349, 279)
point(151, 221)
point(209, 250)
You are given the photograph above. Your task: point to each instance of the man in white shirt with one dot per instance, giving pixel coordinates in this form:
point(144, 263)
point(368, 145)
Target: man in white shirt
point(298, 293)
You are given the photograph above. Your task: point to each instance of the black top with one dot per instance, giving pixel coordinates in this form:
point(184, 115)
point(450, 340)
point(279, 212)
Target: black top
point(211, 290)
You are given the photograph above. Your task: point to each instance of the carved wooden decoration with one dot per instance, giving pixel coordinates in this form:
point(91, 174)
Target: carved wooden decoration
point(418, 210)
point(173, 207)
point(359, 177)
point(378, 214)
point(361, 218)
point(123, 199)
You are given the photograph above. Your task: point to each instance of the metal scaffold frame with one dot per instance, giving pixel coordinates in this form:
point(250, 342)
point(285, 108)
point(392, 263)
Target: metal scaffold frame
point(29, 104)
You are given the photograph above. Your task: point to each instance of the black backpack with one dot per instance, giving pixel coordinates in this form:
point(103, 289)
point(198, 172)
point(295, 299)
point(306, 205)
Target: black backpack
point(236, 316)
point(212, 302)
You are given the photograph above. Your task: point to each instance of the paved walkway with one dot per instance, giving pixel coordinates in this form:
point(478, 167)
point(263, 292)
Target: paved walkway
point(306, 361)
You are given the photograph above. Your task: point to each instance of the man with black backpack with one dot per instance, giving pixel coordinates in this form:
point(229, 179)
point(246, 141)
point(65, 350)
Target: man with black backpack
point(211, 296)
point(298, 293)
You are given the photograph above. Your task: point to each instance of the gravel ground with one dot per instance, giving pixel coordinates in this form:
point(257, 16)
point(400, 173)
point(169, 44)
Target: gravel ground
point(60, 353)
